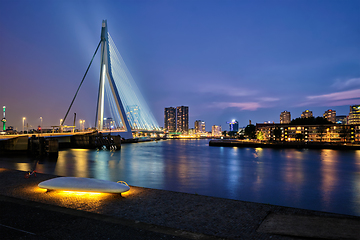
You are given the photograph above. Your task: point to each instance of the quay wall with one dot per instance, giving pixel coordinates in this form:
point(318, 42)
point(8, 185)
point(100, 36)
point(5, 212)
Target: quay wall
point(297, 145)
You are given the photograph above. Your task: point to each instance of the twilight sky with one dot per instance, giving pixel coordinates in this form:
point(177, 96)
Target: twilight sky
point(224, 59)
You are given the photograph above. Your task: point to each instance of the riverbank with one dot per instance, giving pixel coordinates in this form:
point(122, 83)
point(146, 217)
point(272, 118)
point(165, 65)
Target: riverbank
point(182, 215)
point(297, 145)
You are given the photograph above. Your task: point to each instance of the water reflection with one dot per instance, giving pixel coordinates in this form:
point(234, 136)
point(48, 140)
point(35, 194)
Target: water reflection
point(325, 180)
point(329, 174)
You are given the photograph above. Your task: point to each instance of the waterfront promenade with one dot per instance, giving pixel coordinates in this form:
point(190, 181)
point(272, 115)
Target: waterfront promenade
point(32, 213)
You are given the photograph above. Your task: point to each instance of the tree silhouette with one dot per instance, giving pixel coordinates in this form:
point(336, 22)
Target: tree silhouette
point(344, 133)
point(250, 131)
point(310, 121)
point(277, 134)
point(299, 137)
point(321, 131)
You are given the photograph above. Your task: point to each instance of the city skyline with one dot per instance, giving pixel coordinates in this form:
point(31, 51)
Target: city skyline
point(226, 60)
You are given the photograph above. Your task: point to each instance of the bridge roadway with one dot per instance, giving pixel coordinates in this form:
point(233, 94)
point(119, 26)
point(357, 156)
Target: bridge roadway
point(105, 132)
point(28, 212)
point(44, 134)
point(50, 143)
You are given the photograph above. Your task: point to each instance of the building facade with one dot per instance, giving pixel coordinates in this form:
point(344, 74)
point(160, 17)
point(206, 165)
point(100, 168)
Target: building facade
point(170, 119)
point(108, 123)
point(182, 119)
point(199, 126)
point(330, 115)
point(285, 117)
point(310, 133)
point(216, 130)
point(306, 114)
point(354, 115)
point(233, 125)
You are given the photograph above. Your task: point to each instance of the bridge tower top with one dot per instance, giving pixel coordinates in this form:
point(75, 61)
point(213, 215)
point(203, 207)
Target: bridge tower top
point(127, 106)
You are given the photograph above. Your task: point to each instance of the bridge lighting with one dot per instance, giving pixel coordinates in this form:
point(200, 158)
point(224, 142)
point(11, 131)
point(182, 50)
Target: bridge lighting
point(82, 128)
point(127, 106)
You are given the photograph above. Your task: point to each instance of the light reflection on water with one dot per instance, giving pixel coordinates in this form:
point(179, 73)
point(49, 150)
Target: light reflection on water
point(326, 180)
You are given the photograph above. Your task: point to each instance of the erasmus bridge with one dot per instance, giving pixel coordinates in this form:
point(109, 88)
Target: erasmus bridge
point(118, 96)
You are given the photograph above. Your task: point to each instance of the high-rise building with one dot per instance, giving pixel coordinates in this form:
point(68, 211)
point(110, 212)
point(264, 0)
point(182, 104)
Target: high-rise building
point(182, 119)
point(285, 117)
point(354, 115)
point(199, 126)
point(330, 115)
point(108, 123)
point(306, 114)
point(216, 130)
point(233, 125)
point(170, 119)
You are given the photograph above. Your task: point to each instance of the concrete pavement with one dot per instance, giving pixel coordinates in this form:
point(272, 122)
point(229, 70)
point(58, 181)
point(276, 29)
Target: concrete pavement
point(28, 212)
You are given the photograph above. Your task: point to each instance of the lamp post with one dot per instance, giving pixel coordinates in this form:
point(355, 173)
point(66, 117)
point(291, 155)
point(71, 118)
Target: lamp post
point(40, 124)
point(23, 124)
point(82, 127)
point(60, 127)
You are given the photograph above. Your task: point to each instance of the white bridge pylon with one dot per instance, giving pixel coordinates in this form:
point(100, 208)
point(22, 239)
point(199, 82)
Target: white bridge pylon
point(129, 111)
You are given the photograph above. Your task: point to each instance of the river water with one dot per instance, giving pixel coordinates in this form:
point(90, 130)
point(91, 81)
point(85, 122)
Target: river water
point(325, 180)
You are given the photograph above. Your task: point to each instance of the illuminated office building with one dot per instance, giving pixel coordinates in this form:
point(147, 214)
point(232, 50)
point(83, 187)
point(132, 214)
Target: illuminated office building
point(170, 119)
point(285, 117)
point(330, 115)
point(199, 126)
point(233, 125)
point(306, 114)
point(108, 123)
point(216, 130)
point(182, 119)
point(354, 115)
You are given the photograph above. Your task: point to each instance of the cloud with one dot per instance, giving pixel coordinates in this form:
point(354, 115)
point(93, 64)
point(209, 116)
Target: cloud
point(242, 106)
point(228, 91)
point(342, 84)
point(269, 99)
point(333, 99)
point(337, 95)
point(252, 105)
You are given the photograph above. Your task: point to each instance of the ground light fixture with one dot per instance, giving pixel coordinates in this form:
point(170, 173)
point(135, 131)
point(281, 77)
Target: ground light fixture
point(78, 184)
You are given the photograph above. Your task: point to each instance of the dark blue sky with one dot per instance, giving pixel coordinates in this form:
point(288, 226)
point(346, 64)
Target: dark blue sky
point(224, 59)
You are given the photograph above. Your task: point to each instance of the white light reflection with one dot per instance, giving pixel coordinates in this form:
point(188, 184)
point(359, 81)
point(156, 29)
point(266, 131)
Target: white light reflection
point(329, 177)
point(234, 173)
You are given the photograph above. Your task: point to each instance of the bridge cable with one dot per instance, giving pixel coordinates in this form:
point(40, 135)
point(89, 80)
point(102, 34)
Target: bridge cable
point(81, 83)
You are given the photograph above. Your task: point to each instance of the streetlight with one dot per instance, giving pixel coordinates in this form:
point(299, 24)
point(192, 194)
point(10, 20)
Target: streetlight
point(23, 123)
point(60, 127)
point(82, 122)
point(40, 124)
